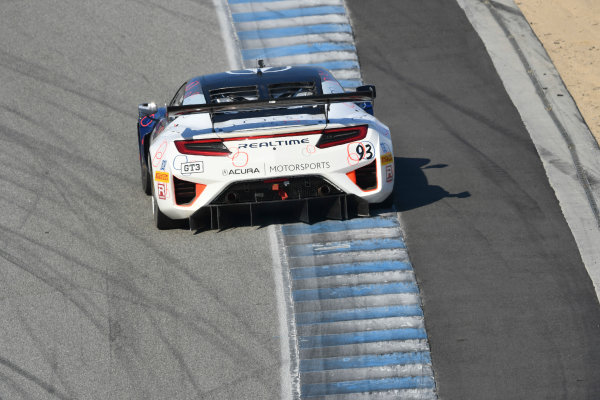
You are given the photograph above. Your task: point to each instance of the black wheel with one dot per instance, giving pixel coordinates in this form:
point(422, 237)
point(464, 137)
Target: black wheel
point(146, 178)
point(161, 220)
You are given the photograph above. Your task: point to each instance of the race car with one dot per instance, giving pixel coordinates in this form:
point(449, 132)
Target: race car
point(253, 141)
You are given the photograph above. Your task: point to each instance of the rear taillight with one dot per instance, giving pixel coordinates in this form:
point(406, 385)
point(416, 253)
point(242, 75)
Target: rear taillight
point(335, 137)
point(203, 147)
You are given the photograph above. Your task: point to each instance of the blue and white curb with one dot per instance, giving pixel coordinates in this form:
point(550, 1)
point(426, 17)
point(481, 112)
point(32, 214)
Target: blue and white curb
point(355, 312)
point(308, 32)
point(348, 299)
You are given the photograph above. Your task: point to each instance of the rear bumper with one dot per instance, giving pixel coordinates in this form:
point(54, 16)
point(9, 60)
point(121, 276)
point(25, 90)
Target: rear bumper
point(335, 206)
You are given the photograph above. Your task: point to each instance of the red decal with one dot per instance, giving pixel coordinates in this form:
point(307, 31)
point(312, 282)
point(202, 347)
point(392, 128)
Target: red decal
point(326, 76)
point(191, 85)
point(238, 158)
point(353, 156)
point(149, 117)
point(159, 154)
point(163, 192)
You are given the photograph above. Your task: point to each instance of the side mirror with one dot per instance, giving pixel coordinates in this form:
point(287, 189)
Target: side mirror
point(145, 109)
point(370, 88)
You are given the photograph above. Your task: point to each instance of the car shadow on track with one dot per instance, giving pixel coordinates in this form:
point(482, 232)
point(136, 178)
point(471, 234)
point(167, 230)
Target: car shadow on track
point(411, 188)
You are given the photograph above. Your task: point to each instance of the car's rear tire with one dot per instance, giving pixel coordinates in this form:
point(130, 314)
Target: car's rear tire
point(161, 221)
point(146, 178)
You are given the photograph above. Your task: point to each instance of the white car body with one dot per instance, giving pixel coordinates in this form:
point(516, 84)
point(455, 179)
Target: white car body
point(271, 148)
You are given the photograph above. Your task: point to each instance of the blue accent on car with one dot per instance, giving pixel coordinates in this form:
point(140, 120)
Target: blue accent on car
point(145, 127)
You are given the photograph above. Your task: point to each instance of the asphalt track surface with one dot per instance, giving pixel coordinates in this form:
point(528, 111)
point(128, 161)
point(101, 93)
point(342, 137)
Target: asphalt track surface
point(95, 303)
point(509, 308)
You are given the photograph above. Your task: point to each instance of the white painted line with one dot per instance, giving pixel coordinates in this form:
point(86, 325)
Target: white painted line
point(350, 257)
point(355, 279)
point(314, 58)
point(339, 236)
point(342, 74)
point(411, 345)
point(285, 312)
point(358, 302)
point(232, 49)
point(297, 21)
point(294, 40)
point(389, 371)
point(331, 328)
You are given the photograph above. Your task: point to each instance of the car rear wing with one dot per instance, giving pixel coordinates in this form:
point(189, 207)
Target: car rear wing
point(253, 105)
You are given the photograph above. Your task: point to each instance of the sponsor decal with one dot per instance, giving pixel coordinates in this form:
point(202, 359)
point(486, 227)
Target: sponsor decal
point(159, 154)
point(299, 167)
point(240, 171)
point(162, 191)
point(161, 176)
point(186, 166)
point(273, 143)
point(191, 85)
point(193, 93)
point(386, 158)
point(147, 120)
point(308, 150)
point(238, 158)
point(389, 172)
point(385, 148)
point(163, 165)
point(358, 151)
point(196, 167)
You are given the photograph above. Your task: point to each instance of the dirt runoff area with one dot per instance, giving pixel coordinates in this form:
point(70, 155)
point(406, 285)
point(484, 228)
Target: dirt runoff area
point(570, 32)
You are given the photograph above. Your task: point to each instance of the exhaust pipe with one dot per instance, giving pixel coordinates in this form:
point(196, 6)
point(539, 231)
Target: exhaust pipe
point(232, 197)
point(323, 190)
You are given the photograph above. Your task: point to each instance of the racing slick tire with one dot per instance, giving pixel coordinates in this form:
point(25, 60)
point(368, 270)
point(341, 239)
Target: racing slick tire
point(161, 221)
point(146, 178)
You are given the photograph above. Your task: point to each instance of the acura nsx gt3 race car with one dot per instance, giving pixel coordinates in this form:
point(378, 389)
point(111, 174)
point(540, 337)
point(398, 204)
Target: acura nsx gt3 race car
point(251, 141)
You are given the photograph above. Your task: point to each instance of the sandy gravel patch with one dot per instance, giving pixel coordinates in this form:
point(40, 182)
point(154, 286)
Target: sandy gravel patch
point(570, 32)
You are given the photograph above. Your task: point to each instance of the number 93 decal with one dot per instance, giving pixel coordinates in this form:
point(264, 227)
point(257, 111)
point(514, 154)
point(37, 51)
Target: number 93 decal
point(358, 151)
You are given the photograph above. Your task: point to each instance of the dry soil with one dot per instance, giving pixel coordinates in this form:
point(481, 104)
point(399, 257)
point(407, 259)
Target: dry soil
point(570, 32)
